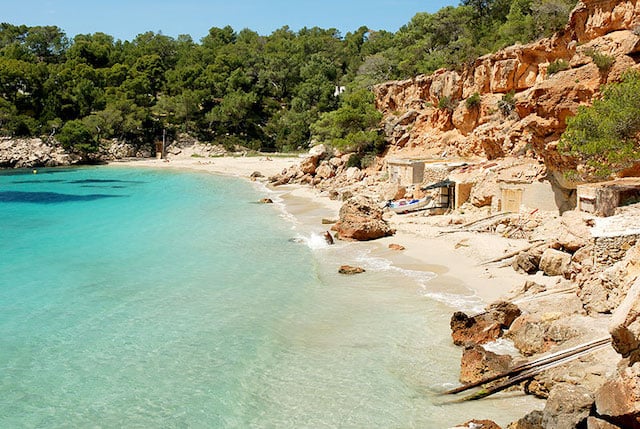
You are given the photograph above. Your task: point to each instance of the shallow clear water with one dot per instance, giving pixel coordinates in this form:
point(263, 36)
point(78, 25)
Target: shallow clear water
point(151, 298)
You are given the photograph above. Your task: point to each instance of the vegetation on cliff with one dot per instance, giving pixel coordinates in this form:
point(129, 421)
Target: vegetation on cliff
point(265, 92)
point(606, 135)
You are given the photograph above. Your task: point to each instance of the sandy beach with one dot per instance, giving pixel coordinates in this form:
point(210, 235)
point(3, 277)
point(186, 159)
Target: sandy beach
point(455, 257)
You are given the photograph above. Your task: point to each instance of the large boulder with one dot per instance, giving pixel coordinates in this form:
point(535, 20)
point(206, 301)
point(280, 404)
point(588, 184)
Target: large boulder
point(618, 401)
point(478, 363)
point(625, 324)
point(554, 262)
point(527, 261)
point(533, 334)
point(567, 407)
point(361, 220)
point(485, 327)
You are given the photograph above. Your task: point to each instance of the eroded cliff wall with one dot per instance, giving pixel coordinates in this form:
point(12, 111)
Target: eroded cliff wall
point(521, 105)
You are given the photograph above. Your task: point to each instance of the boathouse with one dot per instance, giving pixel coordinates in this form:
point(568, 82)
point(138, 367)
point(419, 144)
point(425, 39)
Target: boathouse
point(603, 198)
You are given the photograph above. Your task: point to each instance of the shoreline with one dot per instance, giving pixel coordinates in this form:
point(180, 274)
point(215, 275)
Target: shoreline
point(455, 258)
point(460, 283)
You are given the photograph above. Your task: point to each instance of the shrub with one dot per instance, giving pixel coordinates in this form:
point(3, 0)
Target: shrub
point(354, 160)
point(508, 103)
point(473, 101)
point(557, 66)
point(605, 137)
point(446, 103)
point(603, 61)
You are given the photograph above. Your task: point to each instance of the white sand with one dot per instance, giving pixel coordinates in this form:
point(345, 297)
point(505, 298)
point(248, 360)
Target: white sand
point(229, 166)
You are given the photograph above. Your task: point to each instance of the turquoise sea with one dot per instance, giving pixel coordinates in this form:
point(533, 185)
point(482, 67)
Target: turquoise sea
point(142, 298)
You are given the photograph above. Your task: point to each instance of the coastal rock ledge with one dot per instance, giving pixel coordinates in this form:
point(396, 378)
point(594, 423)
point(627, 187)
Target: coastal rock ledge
point(29, 153)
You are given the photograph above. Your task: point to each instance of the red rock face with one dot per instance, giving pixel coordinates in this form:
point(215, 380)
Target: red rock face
point(542, 102)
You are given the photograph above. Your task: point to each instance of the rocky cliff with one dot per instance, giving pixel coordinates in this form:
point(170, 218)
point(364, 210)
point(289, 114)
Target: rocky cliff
point(514, 102)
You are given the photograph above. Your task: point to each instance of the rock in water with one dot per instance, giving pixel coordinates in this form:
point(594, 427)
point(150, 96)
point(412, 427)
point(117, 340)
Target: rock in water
point(361, 220)
point(478, 363)
point(349, 270)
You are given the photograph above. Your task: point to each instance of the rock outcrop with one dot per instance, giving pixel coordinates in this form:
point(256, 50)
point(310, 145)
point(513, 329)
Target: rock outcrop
point(522, 108)
point(477, 363)
point(29, 153)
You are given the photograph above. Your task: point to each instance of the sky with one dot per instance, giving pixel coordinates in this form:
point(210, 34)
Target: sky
point(125, 19)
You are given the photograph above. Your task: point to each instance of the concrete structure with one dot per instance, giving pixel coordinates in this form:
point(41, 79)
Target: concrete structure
point(603, 198)
point(516, 196)
point(405, 172)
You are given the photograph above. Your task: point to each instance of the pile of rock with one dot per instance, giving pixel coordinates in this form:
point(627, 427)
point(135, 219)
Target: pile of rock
point(329, 171)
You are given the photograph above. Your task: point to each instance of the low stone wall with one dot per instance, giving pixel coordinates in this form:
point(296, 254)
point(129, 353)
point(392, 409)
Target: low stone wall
point(609, 250)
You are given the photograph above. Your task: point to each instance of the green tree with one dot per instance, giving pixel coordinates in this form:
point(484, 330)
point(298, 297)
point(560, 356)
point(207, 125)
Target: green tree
point(606, 136)
point(354, 126)
point(76, 135)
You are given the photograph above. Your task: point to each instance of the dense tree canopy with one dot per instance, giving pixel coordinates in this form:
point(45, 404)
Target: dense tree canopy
point(275, 92)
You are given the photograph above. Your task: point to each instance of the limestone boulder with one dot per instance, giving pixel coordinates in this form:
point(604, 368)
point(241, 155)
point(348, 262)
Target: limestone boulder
point(478, 363)
point(567, 407)
point(625, 324)
point(533, 334)
point(391, 191)
point(485, 327)
point(325, 170)
point(319, 151)
point(527, 262)
point(309, 164)
point(361, 220)
point(554, 262)
point(618, 401)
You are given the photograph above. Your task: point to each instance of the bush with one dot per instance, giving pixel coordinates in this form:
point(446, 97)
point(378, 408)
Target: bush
point(557, 66)
point(603, 61)
point(508, 103)
point(473, 101)
point(446, 103)
point(354, 160)
point(75, 135)
point(606, 136)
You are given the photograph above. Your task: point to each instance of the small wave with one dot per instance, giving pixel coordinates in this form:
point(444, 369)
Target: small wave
point(373, 263)
point(466, 303)
point(314, 241)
